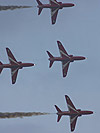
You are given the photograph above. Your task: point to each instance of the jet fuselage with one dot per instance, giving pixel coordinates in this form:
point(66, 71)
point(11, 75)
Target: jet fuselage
point(19, 65)
point(79, 113)
point(60, 5)
point(70, 58)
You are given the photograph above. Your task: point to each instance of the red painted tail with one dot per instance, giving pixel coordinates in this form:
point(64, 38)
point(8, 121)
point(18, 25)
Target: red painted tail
point(58, 111)
point(1, 68)
point(40, 8)
point(51, 56)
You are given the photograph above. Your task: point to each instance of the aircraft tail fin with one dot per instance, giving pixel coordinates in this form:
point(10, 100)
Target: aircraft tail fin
point(51, 56)
point(1, 68)
point(40, 8)
point(58, 111)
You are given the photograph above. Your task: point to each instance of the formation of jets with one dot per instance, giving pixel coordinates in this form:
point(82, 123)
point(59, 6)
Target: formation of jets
point(14, 65)
point(54, 6)
point(72, 112)
point(65, 58)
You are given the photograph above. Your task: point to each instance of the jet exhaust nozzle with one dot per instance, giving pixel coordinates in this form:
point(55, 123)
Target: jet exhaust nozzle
point(50, 58)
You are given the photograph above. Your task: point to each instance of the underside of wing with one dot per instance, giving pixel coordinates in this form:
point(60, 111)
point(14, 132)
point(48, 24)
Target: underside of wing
point(11, 57)
point(53, 2)
point(62, 50)
point(65, 66)
point(14, 72)
point(73, 120)
point(70, 105)
point(54, 12)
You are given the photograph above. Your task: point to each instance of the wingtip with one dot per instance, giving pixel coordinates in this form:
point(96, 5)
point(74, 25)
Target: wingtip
point(53, 22)
point(59, 43)
point(49, 66)
point(7, 49)
point(13, 82)
point(47, 51)
point(64, 76)
point(66, 96)
point(72, 130)
point(55, 105)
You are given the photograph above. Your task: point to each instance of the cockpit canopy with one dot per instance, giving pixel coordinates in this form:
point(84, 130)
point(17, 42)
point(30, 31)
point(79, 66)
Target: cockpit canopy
point(79, 110)
point(70, 55)
point(19, 62)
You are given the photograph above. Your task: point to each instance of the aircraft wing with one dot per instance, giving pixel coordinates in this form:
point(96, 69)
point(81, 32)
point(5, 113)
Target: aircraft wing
point(73, 120)
point(54, 13)
point(70, 105)
point(14, 72)
point(65, 66)
point(62, 51)
point(53, 2)
point(11, 57)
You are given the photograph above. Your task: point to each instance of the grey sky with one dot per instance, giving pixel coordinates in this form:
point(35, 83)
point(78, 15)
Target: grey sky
point(39, 88)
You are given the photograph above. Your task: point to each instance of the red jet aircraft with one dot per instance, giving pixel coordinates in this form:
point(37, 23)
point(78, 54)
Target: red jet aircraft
point(73, 113)
point(14, 65)
point(54, 6)
point(65, 58)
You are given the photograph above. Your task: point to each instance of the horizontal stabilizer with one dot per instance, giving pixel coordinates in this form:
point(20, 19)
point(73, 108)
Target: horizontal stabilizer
point(39, 6)
point(59, 117)
point(49, 54)
point(58, 111)
point(51, 63)
point(39, 11)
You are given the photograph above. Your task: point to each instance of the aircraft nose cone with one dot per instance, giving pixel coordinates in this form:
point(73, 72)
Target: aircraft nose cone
point(71, 4)
point(33, 64)
point(91, 112)
point(84, 58)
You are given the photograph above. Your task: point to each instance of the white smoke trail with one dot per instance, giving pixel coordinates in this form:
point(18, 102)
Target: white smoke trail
point(13, 7)
point(20, 114)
